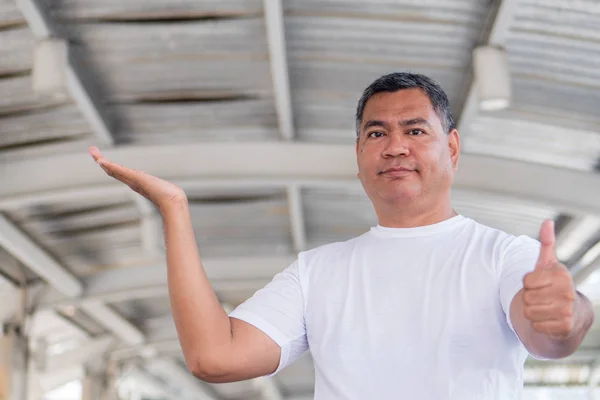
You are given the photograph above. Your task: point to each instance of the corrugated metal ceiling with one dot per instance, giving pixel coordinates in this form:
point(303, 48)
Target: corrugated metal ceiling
point(337, 48)
point(199, 71)
point(509, 134)
point(554, 51)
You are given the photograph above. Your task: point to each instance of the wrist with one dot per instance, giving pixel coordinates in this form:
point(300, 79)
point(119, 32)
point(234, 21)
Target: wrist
point(177, 205)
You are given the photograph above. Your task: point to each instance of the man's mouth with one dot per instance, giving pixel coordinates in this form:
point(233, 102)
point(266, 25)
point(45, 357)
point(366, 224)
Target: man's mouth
point(396, 171)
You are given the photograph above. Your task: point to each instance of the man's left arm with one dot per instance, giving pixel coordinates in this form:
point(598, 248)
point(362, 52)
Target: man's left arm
point(550, 317)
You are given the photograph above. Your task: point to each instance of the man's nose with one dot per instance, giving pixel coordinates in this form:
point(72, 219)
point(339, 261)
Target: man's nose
point(396, 145)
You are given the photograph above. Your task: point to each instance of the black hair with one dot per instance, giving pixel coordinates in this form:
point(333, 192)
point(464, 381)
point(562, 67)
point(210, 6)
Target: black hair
point(405, 80)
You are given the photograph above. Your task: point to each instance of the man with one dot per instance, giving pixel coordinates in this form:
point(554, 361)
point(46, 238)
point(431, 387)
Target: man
point(428, 304)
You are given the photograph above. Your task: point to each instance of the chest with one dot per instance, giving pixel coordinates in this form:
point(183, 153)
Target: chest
point(364, 307)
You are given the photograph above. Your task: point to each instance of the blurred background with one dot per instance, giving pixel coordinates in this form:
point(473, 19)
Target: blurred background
point(249, 106)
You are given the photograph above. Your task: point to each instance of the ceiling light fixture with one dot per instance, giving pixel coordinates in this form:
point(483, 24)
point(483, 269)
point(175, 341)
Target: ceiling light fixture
point(492, 78)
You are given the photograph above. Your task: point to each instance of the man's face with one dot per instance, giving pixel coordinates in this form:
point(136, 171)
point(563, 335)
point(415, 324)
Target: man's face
point(403, 151)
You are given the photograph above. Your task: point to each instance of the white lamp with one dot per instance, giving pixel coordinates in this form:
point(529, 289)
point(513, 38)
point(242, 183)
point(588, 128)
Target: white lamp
point(50, 62)
point(492, 77)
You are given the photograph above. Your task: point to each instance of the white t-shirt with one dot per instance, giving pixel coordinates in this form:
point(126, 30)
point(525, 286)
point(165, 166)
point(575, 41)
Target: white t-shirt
point(403, 313)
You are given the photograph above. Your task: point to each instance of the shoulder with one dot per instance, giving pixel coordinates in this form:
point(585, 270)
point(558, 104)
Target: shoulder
point(502, 244)
point(498, 236)
point(326, 254)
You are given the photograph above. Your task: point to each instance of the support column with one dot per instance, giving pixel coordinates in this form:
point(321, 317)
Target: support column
point(100, 379)
point(13, 364)
point(92, 387)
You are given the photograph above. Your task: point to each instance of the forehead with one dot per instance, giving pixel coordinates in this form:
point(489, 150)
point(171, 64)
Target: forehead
point(407, 103)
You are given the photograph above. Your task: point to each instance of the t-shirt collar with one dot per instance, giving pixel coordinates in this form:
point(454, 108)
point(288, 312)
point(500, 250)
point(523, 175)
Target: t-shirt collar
point(425, 230)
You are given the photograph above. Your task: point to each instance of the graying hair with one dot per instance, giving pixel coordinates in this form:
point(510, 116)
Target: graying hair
point(404, 80)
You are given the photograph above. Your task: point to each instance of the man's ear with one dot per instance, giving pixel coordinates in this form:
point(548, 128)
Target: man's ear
point(454, 146)
point(357, 145)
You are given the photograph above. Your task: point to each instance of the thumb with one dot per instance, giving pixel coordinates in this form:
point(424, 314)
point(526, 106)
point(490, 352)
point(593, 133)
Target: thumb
point(548, 241)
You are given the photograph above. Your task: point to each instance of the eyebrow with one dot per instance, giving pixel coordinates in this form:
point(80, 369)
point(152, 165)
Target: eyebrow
point(406, 122)
point(415, 121)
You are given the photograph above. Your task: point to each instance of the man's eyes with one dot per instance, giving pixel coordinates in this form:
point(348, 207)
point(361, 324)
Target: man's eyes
point(376, 134)
point(412, 132)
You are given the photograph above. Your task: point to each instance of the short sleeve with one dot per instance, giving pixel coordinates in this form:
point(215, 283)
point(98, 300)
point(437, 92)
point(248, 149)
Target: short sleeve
point(518, 259)
point(278, 311)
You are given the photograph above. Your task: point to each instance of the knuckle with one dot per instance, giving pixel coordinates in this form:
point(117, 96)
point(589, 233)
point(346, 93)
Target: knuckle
point(567, 312)
point(529, 313)
point(562, 274)
point(528, 298)
point(537, 326)
point(566, 325)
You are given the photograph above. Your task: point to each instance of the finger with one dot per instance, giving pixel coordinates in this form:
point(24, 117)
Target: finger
point(95, 153)
point(548, 241)
point(126, 175)
point(548, 312)
point(98, 157)
point(538, 279)
point(538, 297)
point(554, 327)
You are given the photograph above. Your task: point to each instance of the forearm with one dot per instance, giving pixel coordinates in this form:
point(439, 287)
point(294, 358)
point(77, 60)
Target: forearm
point(202, 324)
point(551, 347)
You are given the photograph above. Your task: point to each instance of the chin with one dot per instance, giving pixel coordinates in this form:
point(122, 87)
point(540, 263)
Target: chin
point(400, 194)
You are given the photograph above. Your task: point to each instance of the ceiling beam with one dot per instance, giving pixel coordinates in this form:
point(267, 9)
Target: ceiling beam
point(149, 292)
point(46, 325)
point(581, 271)
point(297, 221)
point(87, 351)
point(166, 348)
point(279, 67)
point(148, 281)
point(112, 321)
point(498, 32)
point(31, 255)
point(307, 164)
point(576, 233)
point(42, 28)
point(22, 248)
point(109, 192)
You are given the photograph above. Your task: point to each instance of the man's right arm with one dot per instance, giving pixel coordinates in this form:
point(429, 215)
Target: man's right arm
point(216, 348)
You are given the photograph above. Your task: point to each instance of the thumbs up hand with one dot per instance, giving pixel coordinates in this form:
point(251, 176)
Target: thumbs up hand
point(549, 295)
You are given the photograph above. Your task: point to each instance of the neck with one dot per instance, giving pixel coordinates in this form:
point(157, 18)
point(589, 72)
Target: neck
point(403, 216)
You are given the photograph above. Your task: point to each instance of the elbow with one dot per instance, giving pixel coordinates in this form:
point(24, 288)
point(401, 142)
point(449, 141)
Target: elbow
point(207, 369)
